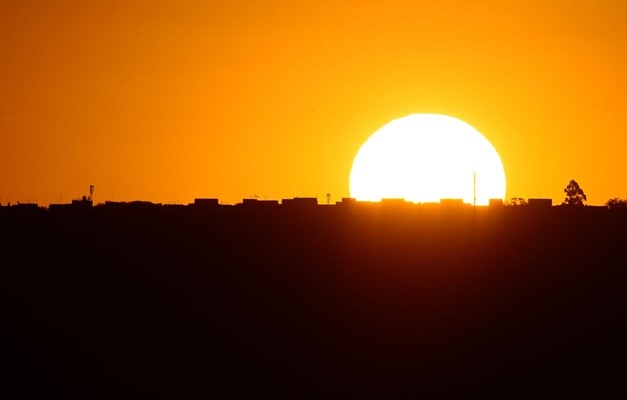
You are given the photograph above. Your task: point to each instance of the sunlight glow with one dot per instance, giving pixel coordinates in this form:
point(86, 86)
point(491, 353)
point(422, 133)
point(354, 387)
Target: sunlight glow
point(426, 158)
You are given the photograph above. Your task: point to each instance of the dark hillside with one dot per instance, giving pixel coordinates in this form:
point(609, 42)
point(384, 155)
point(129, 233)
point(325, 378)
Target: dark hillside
point(325, 301)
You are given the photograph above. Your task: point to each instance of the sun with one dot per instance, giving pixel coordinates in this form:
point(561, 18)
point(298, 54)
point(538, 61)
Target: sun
point(425, 158)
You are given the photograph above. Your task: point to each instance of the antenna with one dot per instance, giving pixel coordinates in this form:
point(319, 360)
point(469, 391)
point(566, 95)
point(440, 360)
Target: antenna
point(328, 198)
point(91, 192)
point(474, 189)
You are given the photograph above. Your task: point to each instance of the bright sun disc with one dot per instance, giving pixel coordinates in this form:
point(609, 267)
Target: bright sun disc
point(425, 158)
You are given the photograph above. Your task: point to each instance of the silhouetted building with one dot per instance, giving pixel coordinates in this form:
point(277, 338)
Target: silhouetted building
point(27, 206)
point(136, 204)
point(452, 202)
point(22, 209)
point(84, 202)
point(540, 202)
point(495, 202)
point(205, 203)
point(259, 203)
point(347, 201)
point(60, 207)
point(300, 202)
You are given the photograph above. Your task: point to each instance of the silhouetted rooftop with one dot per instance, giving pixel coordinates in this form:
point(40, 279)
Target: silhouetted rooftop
point(540, 202)
point(300, 201)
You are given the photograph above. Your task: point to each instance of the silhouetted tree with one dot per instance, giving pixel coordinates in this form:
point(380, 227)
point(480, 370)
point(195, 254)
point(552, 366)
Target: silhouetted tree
point(616, 203)
point(516, 201)
point(574, 194)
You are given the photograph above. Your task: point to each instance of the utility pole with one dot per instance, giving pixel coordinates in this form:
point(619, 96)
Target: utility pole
point(474, 189)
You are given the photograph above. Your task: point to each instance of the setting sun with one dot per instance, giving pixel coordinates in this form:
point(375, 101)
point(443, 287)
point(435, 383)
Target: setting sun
point(426, 158)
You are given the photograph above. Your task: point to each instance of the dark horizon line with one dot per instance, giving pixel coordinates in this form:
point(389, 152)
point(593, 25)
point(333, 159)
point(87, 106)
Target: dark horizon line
point(204, 202)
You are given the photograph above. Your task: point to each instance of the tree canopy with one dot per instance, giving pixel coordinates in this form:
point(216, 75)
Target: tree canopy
point(517, 201)
point(574, 194)
point(616, 203)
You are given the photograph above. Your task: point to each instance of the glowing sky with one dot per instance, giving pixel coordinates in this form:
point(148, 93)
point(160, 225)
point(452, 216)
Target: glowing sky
point(168, 101)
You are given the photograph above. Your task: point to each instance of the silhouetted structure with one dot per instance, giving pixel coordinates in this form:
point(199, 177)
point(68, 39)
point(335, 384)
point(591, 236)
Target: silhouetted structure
point(533, 202)
point(356, 300)
point(256, 203)
point(346, 201)
point(300, 202)
point(453, 203)
point(205, 203)
point(26, 206)
point(84, 202)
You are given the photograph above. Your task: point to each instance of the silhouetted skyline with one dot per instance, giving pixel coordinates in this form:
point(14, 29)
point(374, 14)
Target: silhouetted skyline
point(384, 300)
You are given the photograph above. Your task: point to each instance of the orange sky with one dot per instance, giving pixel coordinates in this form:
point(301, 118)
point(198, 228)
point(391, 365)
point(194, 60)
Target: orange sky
point(168, 101)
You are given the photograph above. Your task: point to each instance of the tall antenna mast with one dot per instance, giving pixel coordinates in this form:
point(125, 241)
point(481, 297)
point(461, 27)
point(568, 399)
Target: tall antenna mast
point(474, 189)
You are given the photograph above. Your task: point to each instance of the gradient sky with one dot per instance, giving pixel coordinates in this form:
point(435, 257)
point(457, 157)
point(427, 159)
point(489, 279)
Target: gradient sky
point(168, 101)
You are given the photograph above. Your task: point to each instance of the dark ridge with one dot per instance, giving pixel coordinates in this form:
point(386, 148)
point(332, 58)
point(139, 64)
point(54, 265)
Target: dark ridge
point(313, 301)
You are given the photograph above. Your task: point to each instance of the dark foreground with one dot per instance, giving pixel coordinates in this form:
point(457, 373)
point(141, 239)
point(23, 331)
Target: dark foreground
point(324, 303)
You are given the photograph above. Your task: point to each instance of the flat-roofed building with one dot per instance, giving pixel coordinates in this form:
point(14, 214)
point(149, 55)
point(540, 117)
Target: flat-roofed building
point(205, 203)
point(258, 203)
point(495, 202)
point(27, 206)
point(61, 206)
point(452, 202)
point(346, 201)
point(300, 202)
point(83, 202)
point(540, 202)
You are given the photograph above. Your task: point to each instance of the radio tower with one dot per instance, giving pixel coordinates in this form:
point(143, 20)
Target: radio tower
point(474, 189)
